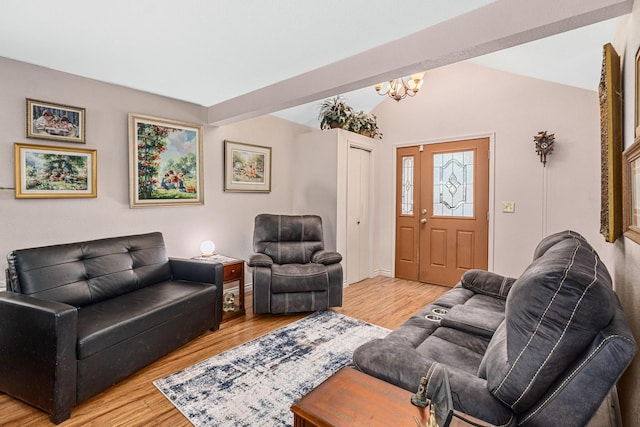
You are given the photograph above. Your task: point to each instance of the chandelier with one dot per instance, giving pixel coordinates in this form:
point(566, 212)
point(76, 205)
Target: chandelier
point(399, 89)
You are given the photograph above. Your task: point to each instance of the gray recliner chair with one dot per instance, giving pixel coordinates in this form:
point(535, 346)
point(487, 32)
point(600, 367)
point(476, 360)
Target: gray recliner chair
point(292, 272)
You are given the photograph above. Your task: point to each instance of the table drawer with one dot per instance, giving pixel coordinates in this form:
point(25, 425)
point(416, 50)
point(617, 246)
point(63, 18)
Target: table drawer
point(232, 272)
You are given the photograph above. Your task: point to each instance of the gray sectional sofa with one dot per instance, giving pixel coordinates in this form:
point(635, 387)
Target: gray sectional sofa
point(80, 317)
point(544, 349)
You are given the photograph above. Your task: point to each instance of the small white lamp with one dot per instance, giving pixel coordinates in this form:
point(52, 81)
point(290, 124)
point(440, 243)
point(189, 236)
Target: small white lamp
point(207, 248)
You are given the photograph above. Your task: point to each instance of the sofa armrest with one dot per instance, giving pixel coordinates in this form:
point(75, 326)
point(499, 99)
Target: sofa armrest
point(472, 397)
point(326, 257)
point(487, 283)
point(404, 366)
point(473, 320)
point(260, 260)
point(202, 272)
point(38, 341)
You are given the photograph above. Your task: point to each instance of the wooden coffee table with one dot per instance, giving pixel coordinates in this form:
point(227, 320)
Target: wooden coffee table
point(352, 398)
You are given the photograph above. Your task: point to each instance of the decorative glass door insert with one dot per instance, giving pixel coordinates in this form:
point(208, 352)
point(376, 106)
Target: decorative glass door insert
point(407, 185)
point(453, 184)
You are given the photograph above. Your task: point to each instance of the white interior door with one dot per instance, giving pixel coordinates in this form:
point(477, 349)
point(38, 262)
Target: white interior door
point(358, 218)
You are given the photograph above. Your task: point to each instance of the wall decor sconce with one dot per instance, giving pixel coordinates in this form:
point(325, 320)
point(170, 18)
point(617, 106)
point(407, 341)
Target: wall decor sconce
point(207, 248)
point(544, 145)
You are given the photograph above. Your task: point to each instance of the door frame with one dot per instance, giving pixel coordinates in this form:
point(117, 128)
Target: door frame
point(492, 216)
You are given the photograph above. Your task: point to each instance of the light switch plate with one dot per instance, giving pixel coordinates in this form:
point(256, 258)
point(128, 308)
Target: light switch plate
point(508, 207)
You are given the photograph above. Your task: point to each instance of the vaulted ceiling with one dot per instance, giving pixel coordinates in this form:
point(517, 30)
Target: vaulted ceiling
point(243, 58)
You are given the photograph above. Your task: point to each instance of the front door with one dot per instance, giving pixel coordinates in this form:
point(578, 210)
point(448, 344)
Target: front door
point(442, 213)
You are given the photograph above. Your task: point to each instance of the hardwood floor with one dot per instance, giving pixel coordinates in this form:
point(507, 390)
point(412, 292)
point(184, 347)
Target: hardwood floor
point(136, 401)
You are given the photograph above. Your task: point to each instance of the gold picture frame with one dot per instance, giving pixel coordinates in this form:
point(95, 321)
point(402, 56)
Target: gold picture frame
point(631, 185)
point(56, 122)
point(247, 168)
point(611, 142)
point(44, 171)
point(165, 163)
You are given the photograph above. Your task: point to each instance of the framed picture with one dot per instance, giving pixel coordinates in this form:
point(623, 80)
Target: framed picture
point(247, 167)
point(57, 122)
point(637, 104)
point(165, 164)
point(44, 171)
point(611, 131)
point(631, 183)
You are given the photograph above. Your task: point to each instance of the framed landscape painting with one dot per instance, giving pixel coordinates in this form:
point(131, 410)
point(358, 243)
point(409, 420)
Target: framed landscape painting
point(46, 120)
point(54, 172)
point(247, 167)
point(165, 164)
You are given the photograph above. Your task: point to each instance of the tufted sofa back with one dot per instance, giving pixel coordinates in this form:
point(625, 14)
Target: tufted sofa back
point(83, 273)
point(553, 313)
point(288, 239)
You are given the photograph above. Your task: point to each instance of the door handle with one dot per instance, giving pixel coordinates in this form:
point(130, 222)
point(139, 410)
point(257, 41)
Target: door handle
point(423, 221)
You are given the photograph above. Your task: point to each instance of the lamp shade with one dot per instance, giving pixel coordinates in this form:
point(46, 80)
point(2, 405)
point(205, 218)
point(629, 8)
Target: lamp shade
point(207, 248)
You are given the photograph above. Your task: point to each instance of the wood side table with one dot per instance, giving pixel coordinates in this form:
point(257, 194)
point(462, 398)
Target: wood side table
point(232, 299)
point(350, 398)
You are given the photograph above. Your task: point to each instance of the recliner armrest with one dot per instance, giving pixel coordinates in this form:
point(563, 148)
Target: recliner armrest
point(38, 358)
point(260, 260)
point(487, 283)
point(326, 257)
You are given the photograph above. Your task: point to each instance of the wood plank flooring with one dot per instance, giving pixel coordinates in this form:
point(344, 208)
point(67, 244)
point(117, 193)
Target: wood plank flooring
point(136, 401)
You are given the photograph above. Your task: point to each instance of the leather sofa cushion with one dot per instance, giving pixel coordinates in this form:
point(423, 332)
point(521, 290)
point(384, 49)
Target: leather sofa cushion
point(109, 322)
point(553, 312)
point(299, 278)
point(84, 273)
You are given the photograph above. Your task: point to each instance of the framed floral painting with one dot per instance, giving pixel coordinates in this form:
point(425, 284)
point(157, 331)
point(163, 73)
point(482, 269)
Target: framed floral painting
point(165, 164)
point(44, 171)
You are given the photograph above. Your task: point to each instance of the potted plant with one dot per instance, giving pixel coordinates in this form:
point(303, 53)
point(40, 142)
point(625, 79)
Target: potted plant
point(334, 113)
point(365, 124)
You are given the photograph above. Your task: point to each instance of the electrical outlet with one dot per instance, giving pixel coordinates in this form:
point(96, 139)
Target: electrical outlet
point(508, 207)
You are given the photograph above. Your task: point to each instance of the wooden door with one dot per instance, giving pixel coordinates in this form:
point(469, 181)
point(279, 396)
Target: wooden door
point(358, 221)
point(407, 264)
point(451, 212)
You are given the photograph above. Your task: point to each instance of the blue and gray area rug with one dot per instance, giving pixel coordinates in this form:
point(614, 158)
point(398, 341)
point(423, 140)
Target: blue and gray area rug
point(256, 383)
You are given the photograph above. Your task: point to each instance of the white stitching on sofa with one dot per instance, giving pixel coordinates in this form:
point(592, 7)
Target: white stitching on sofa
point(537, 326)
point(572, 375)
point(595, 278)
point(575, 308)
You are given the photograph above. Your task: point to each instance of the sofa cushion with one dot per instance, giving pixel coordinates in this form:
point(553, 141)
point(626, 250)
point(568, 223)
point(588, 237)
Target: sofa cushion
point(299, 278)
point(109, 322)
point(88, 272)
point(473, 320)
point(552, 239)
point(553, 312)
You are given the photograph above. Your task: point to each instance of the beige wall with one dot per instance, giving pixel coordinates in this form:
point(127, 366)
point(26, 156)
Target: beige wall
point(226, 218)
point(467, 100)
point(627, 254)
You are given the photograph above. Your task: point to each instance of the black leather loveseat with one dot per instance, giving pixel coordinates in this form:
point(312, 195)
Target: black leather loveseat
point(544, 349)
point(79, 317)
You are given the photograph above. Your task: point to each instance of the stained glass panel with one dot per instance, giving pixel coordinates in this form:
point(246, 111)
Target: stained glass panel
point(407, 185)
point(453, 183)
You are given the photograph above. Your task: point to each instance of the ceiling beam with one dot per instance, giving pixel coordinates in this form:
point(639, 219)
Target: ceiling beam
point(499, 25)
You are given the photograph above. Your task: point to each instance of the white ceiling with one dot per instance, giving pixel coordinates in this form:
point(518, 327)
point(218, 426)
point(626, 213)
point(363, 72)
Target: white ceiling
point(237, 55)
